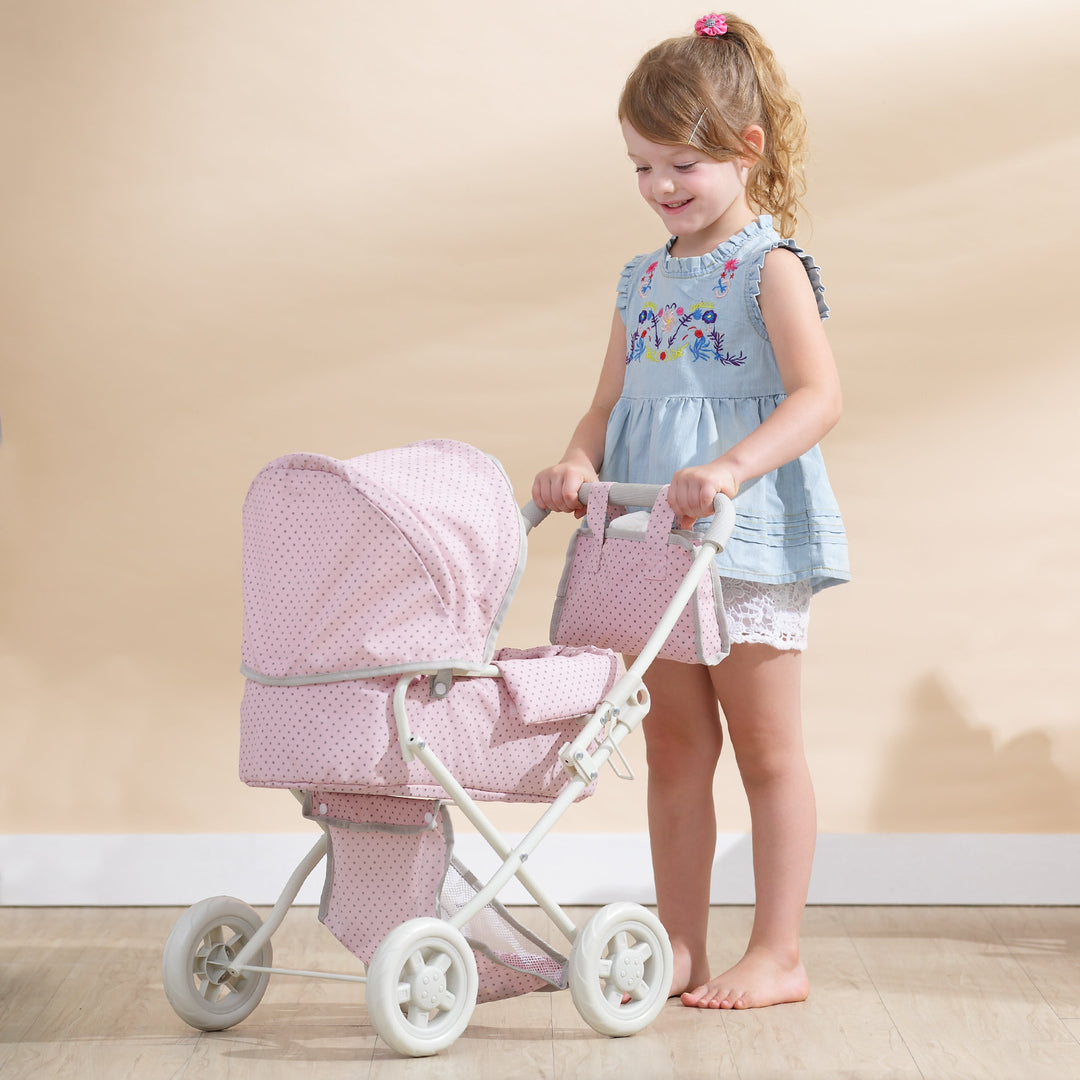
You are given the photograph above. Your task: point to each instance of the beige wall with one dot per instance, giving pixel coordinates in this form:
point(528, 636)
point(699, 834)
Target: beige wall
point(236, 229)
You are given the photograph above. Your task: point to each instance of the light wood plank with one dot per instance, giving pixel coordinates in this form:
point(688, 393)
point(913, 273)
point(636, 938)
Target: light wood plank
point(1046, 944)
point(958, 997)
point(842, 1030)
point(102, 1012)
point(902, 993)
point(25, 992)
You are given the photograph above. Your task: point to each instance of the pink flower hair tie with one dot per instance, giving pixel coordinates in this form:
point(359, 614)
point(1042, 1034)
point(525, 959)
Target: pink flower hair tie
point(711, 25)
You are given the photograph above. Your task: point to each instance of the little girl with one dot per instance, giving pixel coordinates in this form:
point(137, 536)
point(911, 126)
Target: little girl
point(718, 378)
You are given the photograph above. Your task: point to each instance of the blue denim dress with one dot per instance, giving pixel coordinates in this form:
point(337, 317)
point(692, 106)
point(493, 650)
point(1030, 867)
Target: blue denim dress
point(700, 376)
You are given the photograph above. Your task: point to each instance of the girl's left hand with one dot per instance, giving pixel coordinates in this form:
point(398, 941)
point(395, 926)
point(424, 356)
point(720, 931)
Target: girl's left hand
point(692, 491)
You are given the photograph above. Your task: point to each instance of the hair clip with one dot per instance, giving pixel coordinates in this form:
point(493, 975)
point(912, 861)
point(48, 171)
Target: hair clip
point(711, 25)
point(690, 141)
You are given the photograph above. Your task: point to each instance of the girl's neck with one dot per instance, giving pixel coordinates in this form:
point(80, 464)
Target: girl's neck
point(733, 221)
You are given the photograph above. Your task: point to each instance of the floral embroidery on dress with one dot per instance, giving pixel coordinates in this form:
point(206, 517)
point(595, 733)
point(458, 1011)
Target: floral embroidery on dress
point(725, 277)
point(667, 333)
point(646, 280)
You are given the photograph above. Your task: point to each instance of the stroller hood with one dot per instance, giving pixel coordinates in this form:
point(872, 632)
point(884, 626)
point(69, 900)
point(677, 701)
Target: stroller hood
point(395, 561)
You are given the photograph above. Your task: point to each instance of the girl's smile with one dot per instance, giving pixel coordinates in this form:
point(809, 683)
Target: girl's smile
point(701, 200)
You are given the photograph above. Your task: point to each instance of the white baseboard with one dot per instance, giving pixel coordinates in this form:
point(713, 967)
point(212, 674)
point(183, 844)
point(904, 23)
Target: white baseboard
point(575, 868)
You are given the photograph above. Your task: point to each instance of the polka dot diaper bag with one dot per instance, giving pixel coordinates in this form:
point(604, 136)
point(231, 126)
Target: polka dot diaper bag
point(620, 577)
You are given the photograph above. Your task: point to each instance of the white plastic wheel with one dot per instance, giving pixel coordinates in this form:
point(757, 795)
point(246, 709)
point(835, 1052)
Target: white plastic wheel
point(621, 967)
point(195, 964)
point(421, 987)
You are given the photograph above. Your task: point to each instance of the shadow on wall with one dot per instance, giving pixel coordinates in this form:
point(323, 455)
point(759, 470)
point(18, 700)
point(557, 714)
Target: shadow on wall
point(944, 773)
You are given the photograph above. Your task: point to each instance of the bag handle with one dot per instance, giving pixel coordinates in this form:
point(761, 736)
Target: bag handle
point(596, 519)
point(644, 494)
point(661, 520)
point(654, 562)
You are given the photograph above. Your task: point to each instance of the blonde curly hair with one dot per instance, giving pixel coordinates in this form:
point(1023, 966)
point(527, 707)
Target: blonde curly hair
point(705, 91)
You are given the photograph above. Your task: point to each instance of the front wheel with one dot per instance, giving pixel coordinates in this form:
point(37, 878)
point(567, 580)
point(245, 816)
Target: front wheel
point(421, 987)
point(621, 967)
point(195, 965)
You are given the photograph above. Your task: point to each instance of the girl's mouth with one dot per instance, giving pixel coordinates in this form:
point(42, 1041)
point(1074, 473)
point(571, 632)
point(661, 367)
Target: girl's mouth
point(675, 207)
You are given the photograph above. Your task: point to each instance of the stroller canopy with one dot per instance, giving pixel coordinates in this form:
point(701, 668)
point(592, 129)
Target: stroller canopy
point(394, 561)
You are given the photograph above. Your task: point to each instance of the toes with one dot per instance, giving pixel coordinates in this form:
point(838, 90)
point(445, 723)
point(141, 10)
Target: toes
point(698, 998)
point(705, 998)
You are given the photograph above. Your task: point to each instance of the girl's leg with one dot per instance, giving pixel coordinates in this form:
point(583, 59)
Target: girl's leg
point(683, 738)
point(759, 691)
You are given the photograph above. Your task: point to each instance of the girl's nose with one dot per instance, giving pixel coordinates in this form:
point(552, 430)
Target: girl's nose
point(663, 185)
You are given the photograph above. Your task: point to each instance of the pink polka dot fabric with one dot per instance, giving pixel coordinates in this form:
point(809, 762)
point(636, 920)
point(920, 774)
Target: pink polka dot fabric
point(403, 559)
point(386, 863)
point(499, 747)
point(615, 589)
point(390, 860)
point(358, 573)
point(382, 561)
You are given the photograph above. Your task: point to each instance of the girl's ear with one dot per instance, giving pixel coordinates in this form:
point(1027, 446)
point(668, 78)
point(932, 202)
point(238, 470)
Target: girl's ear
point(755, 136)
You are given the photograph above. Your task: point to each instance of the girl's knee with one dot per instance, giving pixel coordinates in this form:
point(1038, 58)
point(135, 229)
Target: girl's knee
point(764, 766)
point(673, 749)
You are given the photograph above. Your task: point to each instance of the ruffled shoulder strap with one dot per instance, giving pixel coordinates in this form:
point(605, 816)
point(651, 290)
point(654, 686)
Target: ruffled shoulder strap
point(753, 281)
point(627, 282)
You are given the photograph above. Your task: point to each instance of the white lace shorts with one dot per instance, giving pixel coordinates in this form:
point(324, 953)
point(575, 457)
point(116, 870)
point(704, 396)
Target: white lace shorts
point(776, 615)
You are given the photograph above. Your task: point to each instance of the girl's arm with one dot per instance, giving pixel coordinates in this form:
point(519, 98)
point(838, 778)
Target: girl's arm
point(556, 487)
point(811, 382)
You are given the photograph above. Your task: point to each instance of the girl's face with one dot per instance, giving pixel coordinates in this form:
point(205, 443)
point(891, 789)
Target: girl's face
point(700, 200)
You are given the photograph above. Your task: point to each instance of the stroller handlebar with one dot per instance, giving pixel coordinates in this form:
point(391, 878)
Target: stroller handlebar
point(645, 495)
point(533, 515)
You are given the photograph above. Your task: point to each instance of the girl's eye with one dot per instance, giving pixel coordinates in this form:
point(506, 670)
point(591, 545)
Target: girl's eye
point(687, 167)
point(641, 168)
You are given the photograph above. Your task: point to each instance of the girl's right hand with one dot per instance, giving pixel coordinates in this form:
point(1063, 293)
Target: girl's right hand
point(556, 488)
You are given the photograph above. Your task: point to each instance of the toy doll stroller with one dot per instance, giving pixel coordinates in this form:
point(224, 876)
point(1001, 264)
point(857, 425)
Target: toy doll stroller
point(373, 592)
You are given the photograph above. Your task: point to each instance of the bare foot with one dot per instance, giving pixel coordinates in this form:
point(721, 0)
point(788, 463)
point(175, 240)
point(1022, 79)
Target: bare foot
point(757, 980)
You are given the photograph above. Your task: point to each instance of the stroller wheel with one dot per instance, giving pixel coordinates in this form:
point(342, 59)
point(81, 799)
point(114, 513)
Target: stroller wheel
point(194, 967)
point(621, 967)
point(421, 987)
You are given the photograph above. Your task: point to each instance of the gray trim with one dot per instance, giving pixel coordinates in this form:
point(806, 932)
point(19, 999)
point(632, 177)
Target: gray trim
point(515, 581)
point(328, 880)
point(437, 806)
point(319, 678)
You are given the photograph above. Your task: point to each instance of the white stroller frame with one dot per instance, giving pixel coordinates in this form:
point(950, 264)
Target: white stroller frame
point(422, 980)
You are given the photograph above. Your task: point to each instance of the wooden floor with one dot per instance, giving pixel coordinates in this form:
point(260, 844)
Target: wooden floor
point(936, 993)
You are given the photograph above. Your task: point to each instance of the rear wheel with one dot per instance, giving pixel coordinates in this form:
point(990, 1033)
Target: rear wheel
point(195, 965)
